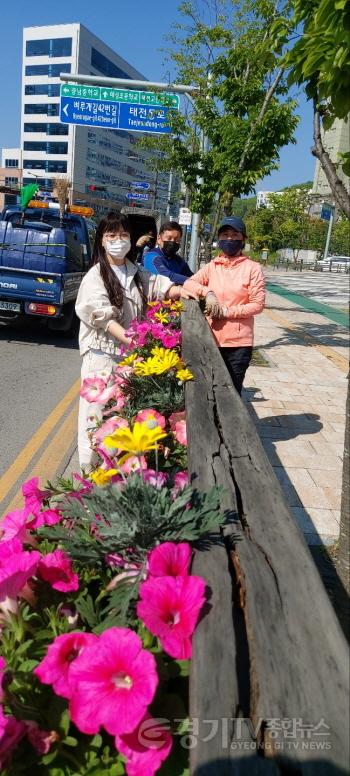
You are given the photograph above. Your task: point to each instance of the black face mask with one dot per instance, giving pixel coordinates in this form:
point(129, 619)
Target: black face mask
point(170, 248)
point(231, 247)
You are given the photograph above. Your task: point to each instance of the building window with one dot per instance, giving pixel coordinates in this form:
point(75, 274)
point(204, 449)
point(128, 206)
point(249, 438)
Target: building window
point(105, 66)
point(47, 166)
point(11, 180)
point(54, 47)
point(44, 183)
point(11, 162)
point(52, 90)
point(50, 109)
point(48, 148)
point(47, 129)
point(53, 71)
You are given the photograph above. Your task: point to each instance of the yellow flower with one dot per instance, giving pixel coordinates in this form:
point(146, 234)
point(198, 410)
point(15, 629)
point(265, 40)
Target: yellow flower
point(162, 317)
point(159, 351)
point(162, 361)
point(177, 306)
point(148, 367)
point(184, 374)
point(128, 360)
point(152, 304)
point(102, 477)
point(137, 440)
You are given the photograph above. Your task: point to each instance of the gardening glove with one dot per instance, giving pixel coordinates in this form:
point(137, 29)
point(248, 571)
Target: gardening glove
point(212, 306)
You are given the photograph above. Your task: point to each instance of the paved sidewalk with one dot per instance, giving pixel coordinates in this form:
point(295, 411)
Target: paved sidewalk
point(298, 403)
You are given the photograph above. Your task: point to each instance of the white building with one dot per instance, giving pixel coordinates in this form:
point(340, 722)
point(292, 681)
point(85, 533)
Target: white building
point(262, 198)
point(104, 159)
point(336, 141)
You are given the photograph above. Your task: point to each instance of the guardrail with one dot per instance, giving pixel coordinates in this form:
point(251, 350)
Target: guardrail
point(269, 650)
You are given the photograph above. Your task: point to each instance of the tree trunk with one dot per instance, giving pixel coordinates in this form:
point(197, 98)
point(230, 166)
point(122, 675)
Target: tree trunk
point(337, 187)
point(342, 594)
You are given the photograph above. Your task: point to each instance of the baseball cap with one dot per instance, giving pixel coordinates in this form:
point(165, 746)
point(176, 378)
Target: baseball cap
point(235, 223)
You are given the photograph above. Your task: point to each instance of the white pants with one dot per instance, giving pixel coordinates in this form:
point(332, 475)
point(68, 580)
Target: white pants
point(94, 362)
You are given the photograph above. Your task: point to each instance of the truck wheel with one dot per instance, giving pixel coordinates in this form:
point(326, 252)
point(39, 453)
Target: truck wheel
point(68, 325)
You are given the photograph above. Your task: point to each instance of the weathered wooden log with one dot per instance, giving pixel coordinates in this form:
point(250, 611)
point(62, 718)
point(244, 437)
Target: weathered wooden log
point(270, 664)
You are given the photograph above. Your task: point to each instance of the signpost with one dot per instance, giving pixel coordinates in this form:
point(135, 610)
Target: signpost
point(140, 185)
point(137, 195)
point(327, 214)
point(185, 216)
point(125, 109)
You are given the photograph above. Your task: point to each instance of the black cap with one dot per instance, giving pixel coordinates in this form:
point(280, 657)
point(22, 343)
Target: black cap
point(235, 223)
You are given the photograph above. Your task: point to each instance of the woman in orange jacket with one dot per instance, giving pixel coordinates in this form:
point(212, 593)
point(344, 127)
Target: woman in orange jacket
point(234, 289)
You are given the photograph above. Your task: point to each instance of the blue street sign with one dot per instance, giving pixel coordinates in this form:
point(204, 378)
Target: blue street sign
point(326, 214)
point(137, 195)
point(140, 185)
point(114, 115)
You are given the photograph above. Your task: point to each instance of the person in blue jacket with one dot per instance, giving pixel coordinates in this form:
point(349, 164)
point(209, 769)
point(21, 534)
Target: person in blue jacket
point(164, 258)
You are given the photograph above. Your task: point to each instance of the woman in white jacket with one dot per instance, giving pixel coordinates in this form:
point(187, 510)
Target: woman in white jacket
point(112, 293)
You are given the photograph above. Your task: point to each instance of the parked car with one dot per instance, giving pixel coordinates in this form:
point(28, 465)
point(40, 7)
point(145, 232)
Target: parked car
point(333, 264)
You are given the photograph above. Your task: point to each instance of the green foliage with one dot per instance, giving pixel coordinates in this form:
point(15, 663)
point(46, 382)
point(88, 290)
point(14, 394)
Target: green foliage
point(245, 119)
point(163, 391)
point(320, 57)
point(136, 516)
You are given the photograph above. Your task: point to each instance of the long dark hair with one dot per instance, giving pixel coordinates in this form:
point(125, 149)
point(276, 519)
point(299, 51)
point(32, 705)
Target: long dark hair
point(112, 222)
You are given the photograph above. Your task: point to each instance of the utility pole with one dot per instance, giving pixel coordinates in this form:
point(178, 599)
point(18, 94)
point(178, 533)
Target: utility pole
point(196, 218)
point(329, 232)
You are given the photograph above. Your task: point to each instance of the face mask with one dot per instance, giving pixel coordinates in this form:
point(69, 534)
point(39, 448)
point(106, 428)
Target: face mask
point(117, 248)
point(170, 248)
point(231, 247)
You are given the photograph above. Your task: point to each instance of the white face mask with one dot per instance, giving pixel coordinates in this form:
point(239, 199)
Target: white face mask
point(117, 248)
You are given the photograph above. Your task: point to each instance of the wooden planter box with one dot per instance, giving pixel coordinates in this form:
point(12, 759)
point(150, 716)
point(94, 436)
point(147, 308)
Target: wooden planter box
point(269, 654)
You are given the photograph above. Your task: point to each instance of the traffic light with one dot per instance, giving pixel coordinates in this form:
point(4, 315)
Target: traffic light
point(91, 188)
point(96, 188)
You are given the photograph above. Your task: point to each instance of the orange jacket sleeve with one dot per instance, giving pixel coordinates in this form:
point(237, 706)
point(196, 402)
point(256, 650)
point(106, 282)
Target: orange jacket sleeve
point(256, 293)
point(199, 281)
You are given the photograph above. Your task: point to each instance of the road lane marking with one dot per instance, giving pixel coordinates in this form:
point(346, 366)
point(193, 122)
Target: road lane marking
point(48, 464)
point(339, 361)
point(20, 464)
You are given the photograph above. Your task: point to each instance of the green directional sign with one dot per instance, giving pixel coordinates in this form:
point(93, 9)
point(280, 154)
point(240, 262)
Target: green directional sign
point(121, 95)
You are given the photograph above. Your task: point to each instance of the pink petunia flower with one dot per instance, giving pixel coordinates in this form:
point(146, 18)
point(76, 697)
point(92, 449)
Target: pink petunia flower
point(33, 496)
point(180, 482)
point(114, 683)
point(145, 748)
point(56, 568)
point(41, 740)
point(15, 572)
point(12, 731)
point(157, 479)
point(45, 517)
point(170, 607)
point(171, 340)
point(14, 525)
point(108, 427)
point(170, 560)
point(56, 666)
point(151, 417)
point(92, 388)
point(133, 464)
point(175, 418)
point(180, 432)
point(8, 548)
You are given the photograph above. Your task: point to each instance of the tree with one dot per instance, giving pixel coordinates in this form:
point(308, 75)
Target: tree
point(320, 60)
point(242, 106)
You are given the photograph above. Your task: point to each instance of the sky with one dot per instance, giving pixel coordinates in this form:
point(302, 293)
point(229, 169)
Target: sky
point(137, 32)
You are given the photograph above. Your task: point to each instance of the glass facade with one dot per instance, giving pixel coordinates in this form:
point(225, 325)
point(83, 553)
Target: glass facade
point(44, 183)
point(105, 66)
point(11, 181)
point(47, 129)
point(51, 47)
point(50, 109)
point(11, 162)
point(52, 71)
point(49, 148)
point(46, 165)
point(52, 90)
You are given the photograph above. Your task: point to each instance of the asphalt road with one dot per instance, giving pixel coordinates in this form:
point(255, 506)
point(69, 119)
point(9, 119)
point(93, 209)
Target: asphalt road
point(37, 369)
